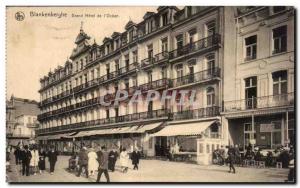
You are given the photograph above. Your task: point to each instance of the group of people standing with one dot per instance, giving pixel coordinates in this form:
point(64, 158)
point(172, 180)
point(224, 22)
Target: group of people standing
point(33, 159)
point(89, 161)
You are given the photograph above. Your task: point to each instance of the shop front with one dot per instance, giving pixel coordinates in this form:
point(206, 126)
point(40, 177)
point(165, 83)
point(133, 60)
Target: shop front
point(267, 132)
point(184, 141)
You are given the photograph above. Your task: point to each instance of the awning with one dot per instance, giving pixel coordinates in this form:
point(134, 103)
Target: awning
point(148, 127)
point(186, 129)
point(54, 137)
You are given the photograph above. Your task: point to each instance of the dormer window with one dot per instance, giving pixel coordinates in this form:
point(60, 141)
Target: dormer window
point(131, 35)
point(277, 9)
point(117, 43)
point(189, 11)
point(107, 49)
point(165, 19)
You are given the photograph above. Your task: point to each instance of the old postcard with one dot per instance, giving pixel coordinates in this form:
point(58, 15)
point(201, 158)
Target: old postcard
point(150, 94)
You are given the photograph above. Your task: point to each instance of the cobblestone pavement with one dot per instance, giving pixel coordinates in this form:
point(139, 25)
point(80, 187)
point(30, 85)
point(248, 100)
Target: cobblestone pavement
point(157, 171)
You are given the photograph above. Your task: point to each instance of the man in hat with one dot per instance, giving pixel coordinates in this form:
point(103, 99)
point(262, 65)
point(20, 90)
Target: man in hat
point(25, 157)
point(103, 165)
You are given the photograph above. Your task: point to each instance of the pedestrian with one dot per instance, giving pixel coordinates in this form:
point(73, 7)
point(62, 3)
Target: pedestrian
point(124, 160)
point(34, 159)
point(83, 162)
point(17, 155)
point(25, 157)
point(52, 156)
point(113, 155)
point(103, 165)
point(92, 163)
point(230, 159)
point(135, 157)
point(237, 154)
point(42, 163)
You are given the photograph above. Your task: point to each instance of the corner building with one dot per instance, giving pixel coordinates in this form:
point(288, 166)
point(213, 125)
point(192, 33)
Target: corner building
point(259, 94)
point(171, 49)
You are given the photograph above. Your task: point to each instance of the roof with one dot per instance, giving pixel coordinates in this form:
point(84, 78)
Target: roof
point(81, 37)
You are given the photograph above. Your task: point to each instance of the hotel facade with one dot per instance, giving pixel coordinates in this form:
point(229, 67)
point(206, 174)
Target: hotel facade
point(194, 48)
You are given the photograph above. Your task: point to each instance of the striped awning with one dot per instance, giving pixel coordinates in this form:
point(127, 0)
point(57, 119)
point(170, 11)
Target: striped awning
point(185, 129)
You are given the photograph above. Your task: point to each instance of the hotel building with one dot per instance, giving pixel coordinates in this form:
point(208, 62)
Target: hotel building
point(173, 49)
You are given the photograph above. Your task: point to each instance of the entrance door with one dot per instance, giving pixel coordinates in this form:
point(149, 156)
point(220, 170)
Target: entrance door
point(251, 92)
point(161, 146)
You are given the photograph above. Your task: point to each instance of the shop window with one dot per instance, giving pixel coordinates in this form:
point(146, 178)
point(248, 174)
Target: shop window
point(280, 39)
point(291, 131)
point(248, 131)
point(251, 47)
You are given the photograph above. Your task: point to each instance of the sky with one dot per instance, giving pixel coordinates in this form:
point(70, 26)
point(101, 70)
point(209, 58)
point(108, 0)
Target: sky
point(37, 45)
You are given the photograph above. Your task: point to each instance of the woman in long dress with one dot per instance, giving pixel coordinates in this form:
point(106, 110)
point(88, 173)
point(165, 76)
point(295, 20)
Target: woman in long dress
point(34, 159)
point(124, 157)
point(92, 163)
point(42, 162)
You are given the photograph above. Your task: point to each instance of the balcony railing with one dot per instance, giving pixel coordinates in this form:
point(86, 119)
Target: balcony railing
point(201, 44)
point(127, 69)
point(157, 84)
point(197, 77)
point(163, 56)
point(197, 113)
point(260, 102)
point(161, 113)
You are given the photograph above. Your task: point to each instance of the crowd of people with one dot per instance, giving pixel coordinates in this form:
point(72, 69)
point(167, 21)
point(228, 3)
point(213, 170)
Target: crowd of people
point(32, 159)
point(234, 155)
point(88, 161)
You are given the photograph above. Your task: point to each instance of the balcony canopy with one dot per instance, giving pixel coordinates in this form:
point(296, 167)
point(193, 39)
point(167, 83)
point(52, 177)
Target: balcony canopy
point(186, 129)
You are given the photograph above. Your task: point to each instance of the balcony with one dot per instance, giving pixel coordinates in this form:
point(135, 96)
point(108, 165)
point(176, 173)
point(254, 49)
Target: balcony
point(127, 69)
point(205, 75)
point(161, 113)
point(197, 113)
point(158, 84)
point(270, 101)
point(158, 58)
point(200, 45)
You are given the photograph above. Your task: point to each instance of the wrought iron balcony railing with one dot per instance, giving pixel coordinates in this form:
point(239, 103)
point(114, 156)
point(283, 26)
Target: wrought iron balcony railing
point(157, 84)
point(197, 77)
point(197, 113)
point(163, 56)
point(260, 102)
point(201, 44)
point(161, 113)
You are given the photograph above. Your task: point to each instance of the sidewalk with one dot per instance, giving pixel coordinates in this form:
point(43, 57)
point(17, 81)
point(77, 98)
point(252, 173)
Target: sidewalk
point(158, 171)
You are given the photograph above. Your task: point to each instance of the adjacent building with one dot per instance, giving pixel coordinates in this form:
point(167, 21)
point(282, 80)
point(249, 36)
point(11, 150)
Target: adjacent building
point(194, 48)
point(259, 85)
point(21, 120)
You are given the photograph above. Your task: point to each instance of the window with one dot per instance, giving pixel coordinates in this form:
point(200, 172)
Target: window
point(134, 81)
point(279, 82)
point(210, 95)
point(164, 72)
point(248, 133)
point(117, 65)
point(211, 28)
point(107, 113)
point(251, 45)
point(210, 64)
point(179, 72)
point(149, 75)
point(77, 66)
point(135, 56)
point(165, 19)
point(251, 92)
point(179, 39)
point(164, 45)
point(150, 51)
point(192, 34)
point(189, 11)
point(280, 39)
point(92, 74)
point(277, 9)
point(81, 64)
point(131, 35)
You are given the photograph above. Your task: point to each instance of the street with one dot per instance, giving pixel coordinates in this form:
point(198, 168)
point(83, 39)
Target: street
point(156, 171)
